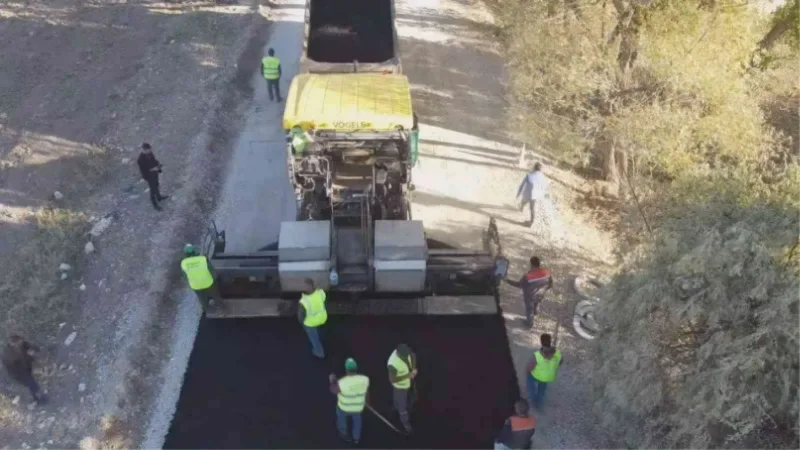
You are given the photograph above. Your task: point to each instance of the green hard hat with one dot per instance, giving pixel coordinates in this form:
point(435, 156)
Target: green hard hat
point(188, 249)
point(350, 364)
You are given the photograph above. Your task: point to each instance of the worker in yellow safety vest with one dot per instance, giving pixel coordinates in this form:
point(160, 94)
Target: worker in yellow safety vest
point(351, 398)
point(402, 367)
point(271, 69)
point(200, 275)
point(313, 315)
point(300, 140)
point(542, 370)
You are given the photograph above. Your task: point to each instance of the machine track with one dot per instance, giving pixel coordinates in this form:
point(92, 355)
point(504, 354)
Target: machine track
point(253, 383)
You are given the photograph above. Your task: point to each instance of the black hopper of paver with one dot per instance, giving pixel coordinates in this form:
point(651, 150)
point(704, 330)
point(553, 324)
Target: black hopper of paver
point(254, 384)
point(343, 31)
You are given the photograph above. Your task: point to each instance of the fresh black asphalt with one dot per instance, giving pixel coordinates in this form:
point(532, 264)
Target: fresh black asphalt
point(254, 383)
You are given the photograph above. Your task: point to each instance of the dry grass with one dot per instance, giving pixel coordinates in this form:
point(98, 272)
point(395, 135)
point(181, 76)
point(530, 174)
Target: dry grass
point(31, 291)
point(113, 436)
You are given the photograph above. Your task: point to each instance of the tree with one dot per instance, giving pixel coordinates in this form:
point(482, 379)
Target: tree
point(702, 342)
point(661, 91)
point(784, 23)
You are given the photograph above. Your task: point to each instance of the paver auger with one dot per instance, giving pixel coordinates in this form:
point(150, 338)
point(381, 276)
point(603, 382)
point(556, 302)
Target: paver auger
point(354, 235)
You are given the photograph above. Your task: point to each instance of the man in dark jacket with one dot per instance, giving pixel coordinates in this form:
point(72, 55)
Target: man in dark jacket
point(18, 360)
point(534, 285)
point(518, 429)
point(149, 167)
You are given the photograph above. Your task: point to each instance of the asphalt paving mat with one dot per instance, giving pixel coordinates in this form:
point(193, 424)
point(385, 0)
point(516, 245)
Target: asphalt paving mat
point(254, 384)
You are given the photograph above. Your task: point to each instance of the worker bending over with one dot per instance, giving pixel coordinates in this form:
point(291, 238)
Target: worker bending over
point(200, 274)
point(542, 371)
point(402, 369)
point(313, 316)
point(351, 398)
point(518, 429)
point(300, 139)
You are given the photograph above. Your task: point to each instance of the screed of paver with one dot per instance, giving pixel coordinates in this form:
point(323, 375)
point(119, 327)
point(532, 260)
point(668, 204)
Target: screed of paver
point(254, 383)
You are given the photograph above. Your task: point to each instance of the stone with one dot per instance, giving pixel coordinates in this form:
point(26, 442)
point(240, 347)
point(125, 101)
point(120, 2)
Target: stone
point(64, 275)
point(88, 248)
point(70, 338)
point(101, 226)
point(58, 195)
point(15, 401)
point(81, 387)
point(82, 287)
point(126, 160)
point(64, 267)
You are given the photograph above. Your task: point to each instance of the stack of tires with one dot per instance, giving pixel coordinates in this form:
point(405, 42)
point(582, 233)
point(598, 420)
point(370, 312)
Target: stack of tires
point(584, 320)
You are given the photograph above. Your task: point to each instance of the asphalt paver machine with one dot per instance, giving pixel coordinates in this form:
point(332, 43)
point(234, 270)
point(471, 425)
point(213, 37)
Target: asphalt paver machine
point(354, 235)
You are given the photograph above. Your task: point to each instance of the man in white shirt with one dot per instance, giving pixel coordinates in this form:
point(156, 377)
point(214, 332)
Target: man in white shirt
point(533, 187)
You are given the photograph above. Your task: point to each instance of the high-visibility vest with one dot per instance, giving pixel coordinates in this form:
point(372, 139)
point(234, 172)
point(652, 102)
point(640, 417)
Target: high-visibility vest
point(402, 369)
point(271, 65)
point(196, 270)
point(299, 141)
point(353, 393)
point(316, 314)
point(546, 369)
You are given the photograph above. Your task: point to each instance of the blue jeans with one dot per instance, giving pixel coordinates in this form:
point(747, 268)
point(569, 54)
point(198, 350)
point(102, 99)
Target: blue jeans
point(536, 391)
point(341, 423)
point(316, 342)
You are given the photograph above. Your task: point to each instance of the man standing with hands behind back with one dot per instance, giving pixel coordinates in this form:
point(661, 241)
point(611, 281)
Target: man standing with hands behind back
point(402, 366)
point(149, 167)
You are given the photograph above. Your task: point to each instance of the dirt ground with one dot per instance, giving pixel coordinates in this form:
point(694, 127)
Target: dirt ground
point(84, 83)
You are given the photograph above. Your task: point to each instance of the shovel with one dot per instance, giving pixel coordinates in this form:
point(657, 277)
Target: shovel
point(384, 419)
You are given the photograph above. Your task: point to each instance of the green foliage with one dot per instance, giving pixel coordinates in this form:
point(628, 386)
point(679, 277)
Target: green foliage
point(789, 13)
point(685, 102)
point(702, 346)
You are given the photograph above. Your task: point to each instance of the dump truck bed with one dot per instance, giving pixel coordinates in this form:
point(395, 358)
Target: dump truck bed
point(347, 102)
point(348, 36)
